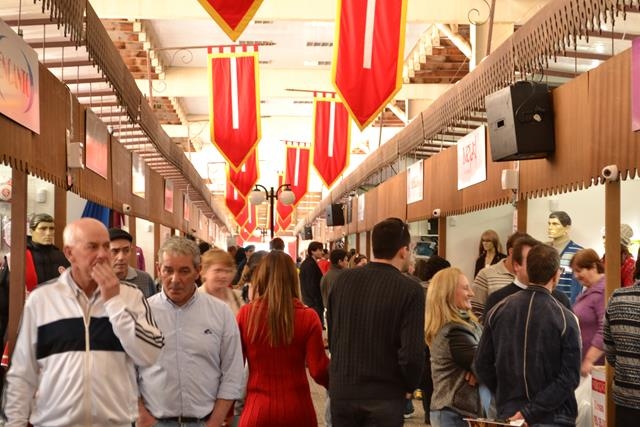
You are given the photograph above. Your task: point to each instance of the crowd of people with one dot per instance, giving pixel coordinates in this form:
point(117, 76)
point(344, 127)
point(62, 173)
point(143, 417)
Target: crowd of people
point(230, 337)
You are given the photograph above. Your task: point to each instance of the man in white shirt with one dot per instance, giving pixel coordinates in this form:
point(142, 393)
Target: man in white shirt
point(199, 372)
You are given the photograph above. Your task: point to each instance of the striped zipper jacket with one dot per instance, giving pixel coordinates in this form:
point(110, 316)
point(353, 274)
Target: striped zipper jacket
point(74, 360)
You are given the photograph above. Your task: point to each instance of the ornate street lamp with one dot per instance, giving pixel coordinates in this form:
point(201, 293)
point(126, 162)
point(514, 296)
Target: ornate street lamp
point(282, 193)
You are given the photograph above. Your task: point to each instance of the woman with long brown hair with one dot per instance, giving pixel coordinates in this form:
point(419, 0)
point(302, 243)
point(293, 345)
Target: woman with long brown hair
point(489, 251)
point(280, 338)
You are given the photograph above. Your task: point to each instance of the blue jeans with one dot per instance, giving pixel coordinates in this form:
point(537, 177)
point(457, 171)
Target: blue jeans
point(447, 418)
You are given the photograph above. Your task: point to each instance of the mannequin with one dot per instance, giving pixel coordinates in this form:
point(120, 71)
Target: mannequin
point(558, 228)
point(47, 261)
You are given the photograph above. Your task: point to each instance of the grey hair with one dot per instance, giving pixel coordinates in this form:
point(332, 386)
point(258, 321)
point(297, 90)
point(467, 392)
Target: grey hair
point(180, 246)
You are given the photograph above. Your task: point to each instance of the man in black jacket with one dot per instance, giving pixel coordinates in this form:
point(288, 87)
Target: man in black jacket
point(310, 276)
point(375, 319)
point(529, 354)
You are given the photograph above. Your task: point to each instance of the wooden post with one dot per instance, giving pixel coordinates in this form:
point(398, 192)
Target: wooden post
point(18, 248)
point(611, 268)
point(522, 208)
point(59, 213)
point(442, 236)
point(133, 260)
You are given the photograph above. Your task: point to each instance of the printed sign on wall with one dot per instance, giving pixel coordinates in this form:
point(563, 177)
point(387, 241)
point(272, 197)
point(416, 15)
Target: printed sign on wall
point(472, 158)
point(19, 80)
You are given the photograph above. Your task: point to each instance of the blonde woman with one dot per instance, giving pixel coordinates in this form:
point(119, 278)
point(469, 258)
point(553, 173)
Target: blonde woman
point(217, 272)
point(281, 338)
point(452, 333)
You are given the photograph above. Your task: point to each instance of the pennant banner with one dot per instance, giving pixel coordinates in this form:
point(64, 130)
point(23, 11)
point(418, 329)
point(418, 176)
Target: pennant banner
point(244, 178)
point(297, 172)
point(283, 212)
point(234, 108)
point(250, 212)
point(232, 16)
point(234, 201)
point(368, 55)
point(331, 138)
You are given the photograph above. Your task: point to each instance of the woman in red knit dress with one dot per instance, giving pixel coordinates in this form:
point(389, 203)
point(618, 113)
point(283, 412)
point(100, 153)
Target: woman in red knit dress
point(281, 337)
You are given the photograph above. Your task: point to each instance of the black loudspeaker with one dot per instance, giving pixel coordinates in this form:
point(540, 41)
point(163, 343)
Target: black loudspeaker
point(335, 214)
point(307, 233)
point(520, 121)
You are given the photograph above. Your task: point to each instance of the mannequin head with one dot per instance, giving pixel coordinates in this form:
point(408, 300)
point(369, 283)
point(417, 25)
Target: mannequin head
point(558, 225)
point(42, 229)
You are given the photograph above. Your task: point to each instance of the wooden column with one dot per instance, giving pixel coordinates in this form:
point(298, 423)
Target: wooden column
point(59, 213)
point(442, 237)
point(521, 209)
point(133, 260)
point(611, 267)
point(156, 247)
point(18, 248)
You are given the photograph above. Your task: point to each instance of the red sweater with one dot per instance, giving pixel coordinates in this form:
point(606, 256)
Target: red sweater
point(278, 390)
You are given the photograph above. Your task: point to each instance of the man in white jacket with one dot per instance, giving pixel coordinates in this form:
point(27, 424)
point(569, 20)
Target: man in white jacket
point(80, 337)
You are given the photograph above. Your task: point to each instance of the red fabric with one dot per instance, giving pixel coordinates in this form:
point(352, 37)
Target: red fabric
point(235, 202)
point(30, 276)
point(297, 172)
point(366, 91)
point(246, 176)
point(324, 265)
point(233, 16)
point(234, 144)
point(278, 392)
point(331, 139)
point(283, 217)
point(626, 271)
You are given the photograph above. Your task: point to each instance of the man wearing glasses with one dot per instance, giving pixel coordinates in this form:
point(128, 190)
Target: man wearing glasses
point(44, 261)
point(121, 249)
point(529, 355)
point(375, 319)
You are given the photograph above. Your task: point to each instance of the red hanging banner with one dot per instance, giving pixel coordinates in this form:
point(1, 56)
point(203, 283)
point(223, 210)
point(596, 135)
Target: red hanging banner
point(331, 137)
point(250, 212)
point(283, 212)
point(234, 200)
point(368, 55)
point(244, 178)
point(297, 172)
point(234, 106)
point(232, 16)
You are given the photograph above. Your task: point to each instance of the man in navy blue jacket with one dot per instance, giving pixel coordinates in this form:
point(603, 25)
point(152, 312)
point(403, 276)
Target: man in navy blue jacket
point(529, 354)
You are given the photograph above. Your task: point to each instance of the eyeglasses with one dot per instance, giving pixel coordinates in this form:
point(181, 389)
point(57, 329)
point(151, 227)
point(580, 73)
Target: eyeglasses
point(486, 240)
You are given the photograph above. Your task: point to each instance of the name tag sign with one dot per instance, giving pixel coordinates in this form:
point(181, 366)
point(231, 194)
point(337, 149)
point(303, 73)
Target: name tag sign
point(472, 158)
point(19, 80)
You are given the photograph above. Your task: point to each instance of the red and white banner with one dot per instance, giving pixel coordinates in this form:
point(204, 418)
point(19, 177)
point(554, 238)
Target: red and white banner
point(331, 137)
point(234, 201)
point(232, 16)
point(234, 109)
point(297, 171)
point(244, 178)
point(367, 70)
point(248, 218)
point(283, 212)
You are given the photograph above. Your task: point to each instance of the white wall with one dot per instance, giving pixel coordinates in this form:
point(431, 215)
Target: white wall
point(464, 231)
point(144, 239)
point(585, 207)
